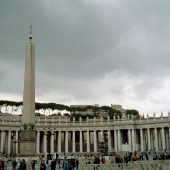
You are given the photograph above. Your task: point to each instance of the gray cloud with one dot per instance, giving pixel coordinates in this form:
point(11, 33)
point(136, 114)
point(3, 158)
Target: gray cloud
point(89, 51)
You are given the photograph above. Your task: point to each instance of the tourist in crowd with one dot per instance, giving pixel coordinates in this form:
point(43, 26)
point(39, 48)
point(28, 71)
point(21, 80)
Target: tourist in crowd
point(118, 159)
point(126, 158)
point(142, 157)
point(58, 161)
point(66, 163)
point(162, 156)
point(96, 160)
point(72, 164)
point(33, 164)
point(53, 164)
point(77, 163)
point(103, 161)
point(42, 165)
point(129, 156)
point(155, 156)
point(1, 164)
point(14, 164)
point(47, 163)
point(146, 156)
point(18, 164)
point(22, 165)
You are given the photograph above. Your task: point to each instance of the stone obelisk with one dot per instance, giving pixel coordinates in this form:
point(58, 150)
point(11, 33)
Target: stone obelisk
point(27, 141)
point(28, 115)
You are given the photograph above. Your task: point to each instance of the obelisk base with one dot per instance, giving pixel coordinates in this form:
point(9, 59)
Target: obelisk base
point(27, 143)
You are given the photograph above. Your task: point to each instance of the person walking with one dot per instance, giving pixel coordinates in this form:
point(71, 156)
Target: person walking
point(155, 156)
point(77, 163)
point(53, 164)
point(22, 165)
point(14, 164)
point(42, 165)
point(1, 165)
point(66, 164)
point(71, 164)
point(18, 164)
point(58, 161)
point(33, 164)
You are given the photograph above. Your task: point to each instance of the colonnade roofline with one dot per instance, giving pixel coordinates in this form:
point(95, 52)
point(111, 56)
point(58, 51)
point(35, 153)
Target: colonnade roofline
point(90, 124)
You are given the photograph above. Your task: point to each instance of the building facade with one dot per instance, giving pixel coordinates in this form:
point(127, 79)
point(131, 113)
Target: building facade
point(65, 136)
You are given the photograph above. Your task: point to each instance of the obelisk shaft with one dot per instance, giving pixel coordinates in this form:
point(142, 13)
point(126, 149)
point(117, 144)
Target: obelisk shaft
point(28, 115)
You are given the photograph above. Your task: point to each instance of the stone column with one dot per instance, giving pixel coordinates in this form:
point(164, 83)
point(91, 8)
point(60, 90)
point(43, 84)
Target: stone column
point(141, 139)
point(81, 142)
point(129, 140)
point(133, 140)
point(66, 141)
point(166, 139)
point(109, 140)
point(73, 146)
point(59, 141)
point(119, 140)
point(52, 142)
point(88, 142)
point(156, 139)
point(163, 138)
point(169, 136)
point(95, 142)
point(45, 142)
point(9, 142)
point(115, 140)
point(101, 136)
point(38, 142)
point(149, 139)
point(16, 145)
point(2, 141)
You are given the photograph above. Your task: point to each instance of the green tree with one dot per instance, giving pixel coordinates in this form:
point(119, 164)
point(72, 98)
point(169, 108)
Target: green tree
point(132, 112)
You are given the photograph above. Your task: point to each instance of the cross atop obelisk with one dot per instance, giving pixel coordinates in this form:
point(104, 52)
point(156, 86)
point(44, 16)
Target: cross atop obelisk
point(28, 115)
point(30, 33)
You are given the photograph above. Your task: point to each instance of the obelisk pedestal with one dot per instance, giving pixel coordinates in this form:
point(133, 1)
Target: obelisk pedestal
point(27, 143)
point(27, 136)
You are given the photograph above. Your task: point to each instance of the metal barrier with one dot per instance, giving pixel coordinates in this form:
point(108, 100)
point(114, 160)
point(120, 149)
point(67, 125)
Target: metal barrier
point(133, 165)
point(136, 165)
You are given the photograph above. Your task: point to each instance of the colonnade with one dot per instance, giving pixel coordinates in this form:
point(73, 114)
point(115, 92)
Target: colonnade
point(87, 140)
point(68, 141)
point(9, 142)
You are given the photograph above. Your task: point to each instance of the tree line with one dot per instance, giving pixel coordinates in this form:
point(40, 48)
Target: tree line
point(74, 110)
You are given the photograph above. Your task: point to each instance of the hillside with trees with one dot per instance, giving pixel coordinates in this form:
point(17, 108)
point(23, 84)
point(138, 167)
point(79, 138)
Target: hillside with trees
point(89, 111)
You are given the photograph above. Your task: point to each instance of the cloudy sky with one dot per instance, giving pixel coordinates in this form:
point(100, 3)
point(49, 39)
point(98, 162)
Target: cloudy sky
point(89, 51)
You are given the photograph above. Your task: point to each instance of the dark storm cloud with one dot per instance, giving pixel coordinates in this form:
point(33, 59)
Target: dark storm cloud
point(91, 39)
point(89, 51)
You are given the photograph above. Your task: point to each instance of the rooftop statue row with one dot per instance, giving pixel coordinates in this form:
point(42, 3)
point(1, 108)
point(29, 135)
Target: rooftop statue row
point(6, 118)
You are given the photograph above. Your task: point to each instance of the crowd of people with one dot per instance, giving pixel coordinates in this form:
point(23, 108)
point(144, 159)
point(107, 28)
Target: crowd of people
point(16, 165)
point(129, 156)
point(73, 162)
point(140, 157)
point(67, 164)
